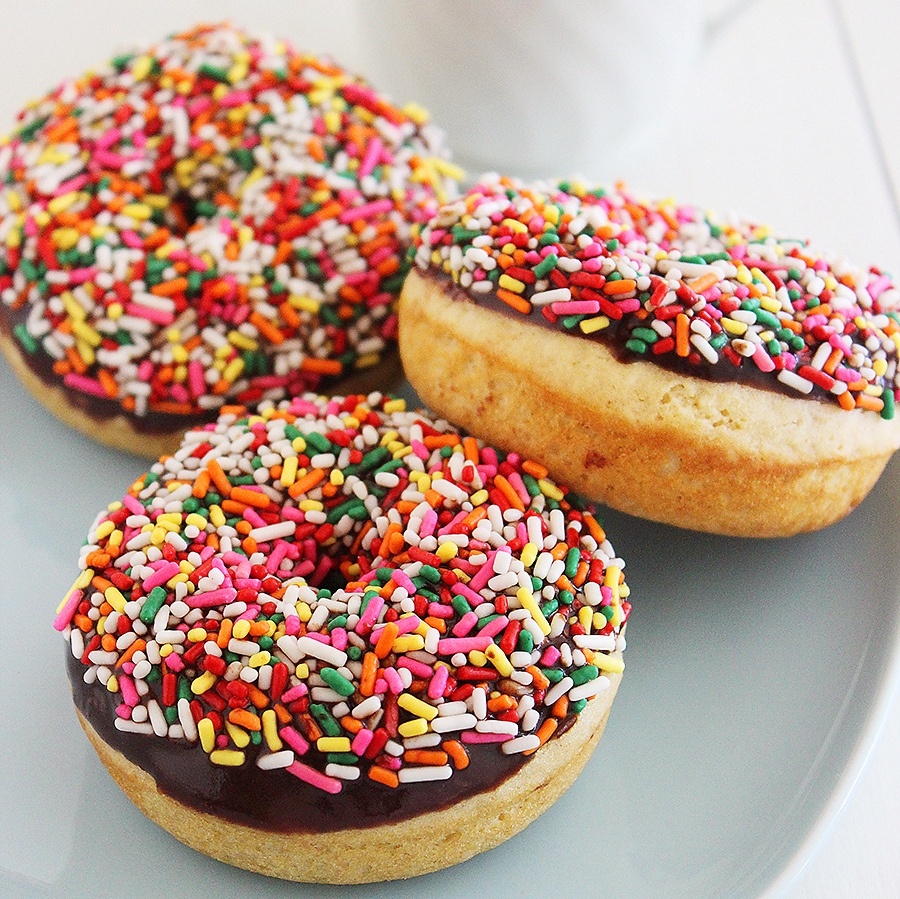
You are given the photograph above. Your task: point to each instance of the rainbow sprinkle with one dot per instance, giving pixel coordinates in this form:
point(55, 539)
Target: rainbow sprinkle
point(343, 588)
point(672, 285)
point(218, 218)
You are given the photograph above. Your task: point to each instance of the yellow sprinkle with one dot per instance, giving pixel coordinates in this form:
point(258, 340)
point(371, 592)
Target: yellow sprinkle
point(743, 275)
point(612, 664)
point(611, 580)
point(203, 683)
point(879, 366)
point(61, 203)
point(142, 67)
point(310, 505)
point(550, 490)
point(166, 650)
point(408, 643)
point(592, 325)
point(395, 405)
point(233, 370)
point(599, 621)
point(414, 728)
point(618, 616)
point(171, 521)
point(477, 658)
point(304, 304)
point(241, 629)
point(288, 471)
point(66, 238)
point(139, 211)
point(497, 657)
point(526, 598)
point(112, 684)
point(528, 555)
point(197, 634)
point(510, 283)
point(400, 453)
point(73, 308)
point(270, 730)
point(417, 113)
point(230, 758)
point(114, 311)
point(238, 735)
point(207, 733)
point(416, 706)
point(198, 521)
point(105, 528)
point(258, 659)
point(447, 550)
point(116, 538)
point(479, 497)
point(336, 477)
point(302, 671)
point(216, 515)
point(115, 598)
point(586, 617)
point(733, 326)
point(333, 744)
point(770, 304)
point(242, 341)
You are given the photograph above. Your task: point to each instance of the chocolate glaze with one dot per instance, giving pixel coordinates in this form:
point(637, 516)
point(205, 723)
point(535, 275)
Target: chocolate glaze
point(97, 408)
point(276, 800)
point(615, 337)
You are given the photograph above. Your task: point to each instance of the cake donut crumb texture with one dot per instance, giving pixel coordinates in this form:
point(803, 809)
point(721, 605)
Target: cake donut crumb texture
point(686, 370)
point(216, 218)
point(334, 623)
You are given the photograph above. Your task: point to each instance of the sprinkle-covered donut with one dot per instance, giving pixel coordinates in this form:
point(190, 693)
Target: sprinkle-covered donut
point(614, 284)
point(218, 218)
point(350, 626)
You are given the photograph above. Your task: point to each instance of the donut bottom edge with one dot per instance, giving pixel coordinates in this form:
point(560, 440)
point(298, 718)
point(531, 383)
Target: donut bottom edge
point(718, 457)
point(118, 432)
point(418, 845)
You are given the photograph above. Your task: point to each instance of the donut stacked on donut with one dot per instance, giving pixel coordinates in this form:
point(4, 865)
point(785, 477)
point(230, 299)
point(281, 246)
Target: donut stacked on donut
point(218, 218)
point(335, 640)
point(694, 372)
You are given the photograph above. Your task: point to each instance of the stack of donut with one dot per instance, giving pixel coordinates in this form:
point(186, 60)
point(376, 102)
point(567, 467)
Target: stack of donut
point(215, 219)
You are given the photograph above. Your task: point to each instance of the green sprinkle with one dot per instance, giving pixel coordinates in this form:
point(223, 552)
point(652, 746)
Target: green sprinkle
point(546, 265)
point(27, 341)
point(324, 718)
point(584, 674)
point(152, 604)
point(337, 681)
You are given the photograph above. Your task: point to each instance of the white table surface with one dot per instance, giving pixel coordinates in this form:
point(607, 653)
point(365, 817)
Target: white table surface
point(792, 117)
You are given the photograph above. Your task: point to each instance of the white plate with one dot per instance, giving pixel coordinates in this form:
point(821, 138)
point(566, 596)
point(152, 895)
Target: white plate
point(757, 672)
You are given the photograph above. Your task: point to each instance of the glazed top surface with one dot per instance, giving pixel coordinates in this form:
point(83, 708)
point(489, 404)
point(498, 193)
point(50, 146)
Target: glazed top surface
point(345, 597)
point(669, 284)
point(215, 218)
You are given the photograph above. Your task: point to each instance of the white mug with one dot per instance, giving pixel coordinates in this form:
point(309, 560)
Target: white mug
point(537, 88)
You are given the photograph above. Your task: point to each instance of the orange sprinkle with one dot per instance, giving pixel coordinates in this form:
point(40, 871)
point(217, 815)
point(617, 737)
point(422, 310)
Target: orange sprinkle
point(218, 477)
point(596, 531)
point(509, 492)
point(436, 441)
point(322, 366)
point(704, 282)
point(616, 288)
point(245, 719)
point(544, 732)
point(257, 697)
point(873, 403)
point(258, 500)
point(268, 330)
point(138, 645)
point(224, 636)
point(306, 483)
point(386, 640)
point(170, 288)
point(457, 753)
point(535, 469)
point(384, 776)
point(520, 304)
point(682, 335)
point(425, 757)
point(369, 672)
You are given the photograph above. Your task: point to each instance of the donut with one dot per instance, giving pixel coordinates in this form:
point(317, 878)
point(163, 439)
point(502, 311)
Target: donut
point(334, 640)
point(216, 219)
point(696, 372)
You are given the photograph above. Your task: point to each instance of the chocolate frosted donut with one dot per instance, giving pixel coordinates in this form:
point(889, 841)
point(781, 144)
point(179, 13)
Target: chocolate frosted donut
point(217, 218)
point(337, 641)
point(698, 373)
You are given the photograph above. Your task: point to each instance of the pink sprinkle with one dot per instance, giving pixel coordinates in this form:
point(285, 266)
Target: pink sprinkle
point(220, 597)
point(67, 612)
point(174, 662)
point(419, 669)
point(438, 682)
point(161, 575)
point(339, 638)
point(361, 741)
point(294, 739)
point(461, 589)
point(465, 624)
point(157, 316)
point(129, 693)
point(550, 656)
point(762, 359)
point(84, 384)
point(371, 157)
point(575, 307)
point(370, 616)
point(472, 736)
point(297, 692)
point(492, 628)
point(450, 645)
point(393, 680)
